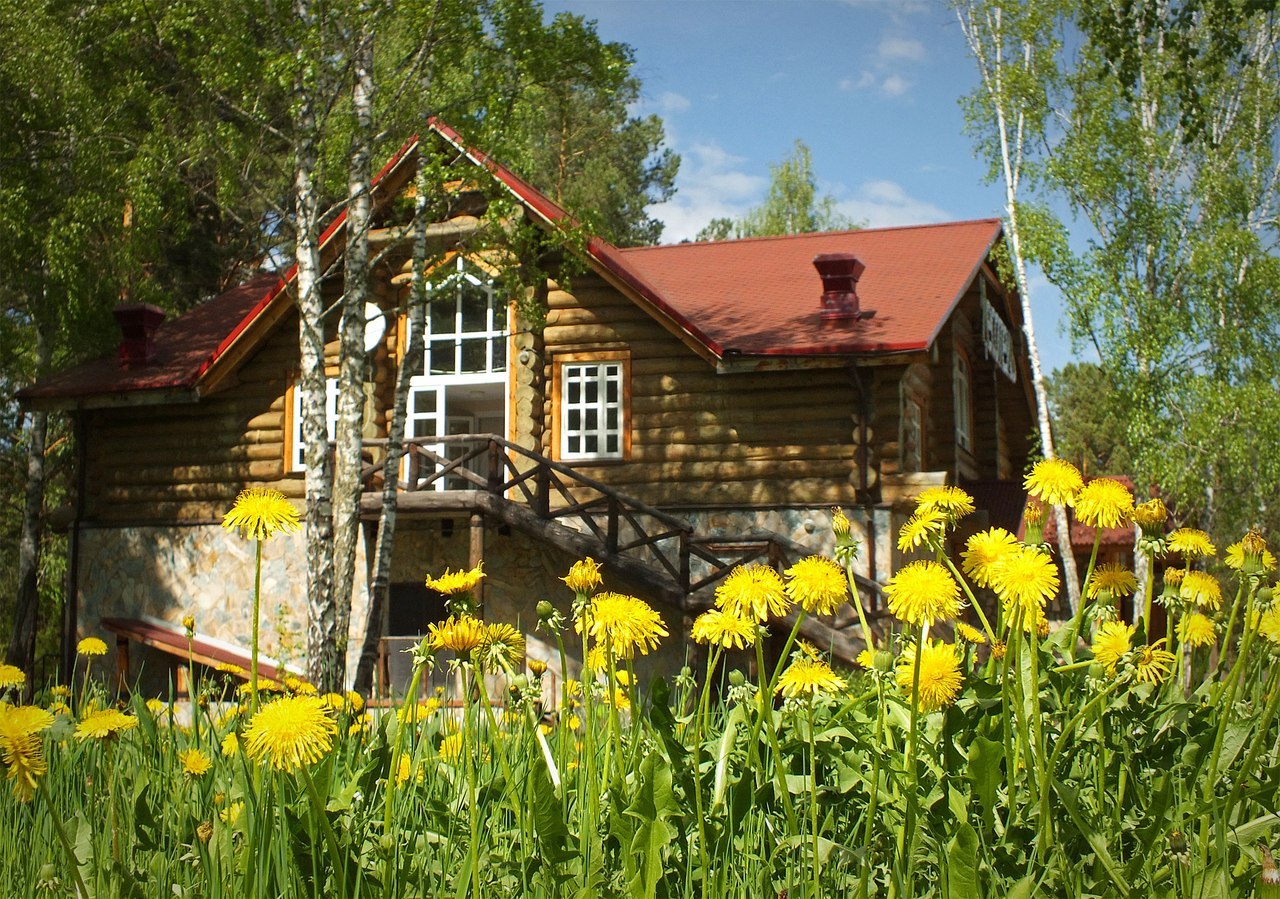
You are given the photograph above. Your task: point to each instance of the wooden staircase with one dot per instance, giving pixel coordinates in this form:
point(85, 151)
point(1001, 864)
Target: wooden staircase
point(553, 502)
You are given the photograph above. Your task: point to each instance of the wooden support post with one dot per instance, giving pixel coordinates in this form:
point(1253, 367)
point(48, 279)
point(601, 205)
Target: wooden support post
point(542, 492)
point(495, 467)
point(122, 663)
point(611, 537)
point(477, 553)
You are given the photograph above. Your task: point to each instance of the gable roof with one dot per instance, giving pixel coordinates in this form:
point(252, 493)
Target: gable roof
point(754, 297)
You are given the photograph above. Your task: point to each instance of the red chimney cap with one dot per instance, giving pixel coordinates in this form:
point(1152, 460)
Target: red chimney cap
point(840, 273)
point(138, 323)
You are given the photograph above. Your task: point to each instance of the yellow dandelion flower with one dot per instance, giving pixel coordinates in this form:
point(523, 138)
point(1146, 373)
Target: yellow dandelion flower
point(817, 584)
point(983, 550)
point(952, 502)
point(298, 685)
point(452, 583)
point(58, 707)
point(924, 528)
point(451, 748)
point(1104, 503)
point(21, 749)
point(405, 770)
point(290, 733)
point(104, 724)
point(998, 649)
point(1197, 629)
point(503, 645)
point(755, 592)
point(457, 635)
point(1025, 579)
point(265, 685)
point(231, 814)
point(970, 634)
point(1055, 481)
point(62, 691)
point(230, 668)
point(1111, 643)
point(940, 677)
point(1268, 623)
point(230, 744)
point(584, 577)
point(866, 659)
point(1201, 588)
point(922, 593)
point(625, 625)
point(1112, 581)
point(1150, 516)
point(1250, 555)
point(194, 762)
point(156, 707)
point(260, 512)
point(1034, 514)
point(355, 701)
point(1191, 543)
point(91, 646)
point(1152, 664)
point(335, 701)
point(716, 626)
point(807, 677)
point(11, 676)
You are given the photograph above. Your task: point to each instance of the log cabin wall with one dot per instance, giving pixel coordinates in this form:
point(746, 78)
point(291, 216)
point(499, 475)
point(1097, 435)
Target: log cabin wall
point(185, 463)
point(699, 438)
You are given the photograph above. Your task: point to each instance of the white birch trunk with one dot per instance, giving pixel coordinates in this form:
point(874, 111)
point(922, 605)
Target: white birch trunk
point(351, 372)
point(983, 28)
point(321, 614)
point(380, 579)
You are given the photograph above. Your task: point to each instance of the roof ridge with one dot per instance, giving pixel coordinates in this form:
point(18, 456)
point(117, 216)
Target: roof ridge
point(812, 234)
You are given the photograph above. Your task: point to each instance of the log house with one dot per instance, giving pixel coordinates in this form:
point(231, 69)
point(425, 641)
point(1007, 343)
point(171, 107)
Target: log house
point(681, 408)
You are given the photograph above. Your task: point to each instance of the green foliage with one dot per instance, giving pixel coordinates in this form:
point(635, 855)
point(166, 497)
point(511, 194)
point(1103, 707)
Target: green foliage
point(792, 205)
point(1090, 422)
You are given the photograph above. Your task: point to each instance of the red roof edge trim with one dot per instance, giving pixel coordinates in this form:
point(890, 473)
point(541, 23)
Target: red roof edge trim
point(973, 273)
point(325, 236)
point(603, 252)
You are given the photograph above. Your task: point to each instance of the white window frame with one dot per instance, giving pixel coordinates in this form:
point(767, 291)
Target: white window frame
point(446, 285)
point(962, 394)
point(583, 373)
point(299, 450)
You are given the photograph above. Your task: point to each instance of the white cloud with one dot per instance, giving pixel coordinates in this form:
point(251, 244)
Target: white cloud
point(895, 85)
point(711, 184)
point(671, 102)
point(901, 48)
point(883, 204)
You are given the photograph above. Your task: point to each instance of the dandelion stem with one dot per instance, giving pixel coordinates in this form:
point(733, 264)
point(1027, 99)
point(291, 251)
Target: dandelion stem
point(253, 645)
point(61, 830)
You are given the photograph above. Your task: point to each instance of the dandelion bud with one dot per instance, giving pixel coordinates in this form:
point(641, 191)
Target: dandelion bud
point(538, 667)
point(205, 831)
point(584, 577)
point(840, 525)
point(189, 623)
point(1150, 516)
point(1269, 877)
point(737, 678)
point(1033, 516)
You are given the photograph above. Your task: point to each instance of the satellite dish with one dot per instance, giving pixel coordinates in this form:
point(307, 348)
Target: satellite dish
point(375, 326)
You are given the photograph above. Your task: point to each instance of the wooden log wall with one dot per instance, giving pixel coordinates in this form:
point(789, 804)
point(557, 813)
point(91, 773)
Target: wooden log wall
point(187, 462)
point(699, 438)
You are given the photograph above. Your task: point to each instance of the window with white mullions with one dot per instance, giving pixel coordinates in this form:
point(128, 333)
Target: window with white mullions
point(962, 386)
point(299, 460)
point(467, 325)
point(591, 410)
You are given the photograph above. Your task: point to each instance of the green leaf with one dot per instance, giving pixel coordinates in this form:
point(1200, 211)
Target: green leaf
point(548, 817)
point(654, 802)
point(962, 864)
point(985, 757)
point(1066, 796)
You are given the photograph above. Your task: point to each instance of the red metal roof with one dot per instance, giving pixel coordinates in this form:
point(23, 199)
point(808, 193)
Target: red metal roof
point(761, 295)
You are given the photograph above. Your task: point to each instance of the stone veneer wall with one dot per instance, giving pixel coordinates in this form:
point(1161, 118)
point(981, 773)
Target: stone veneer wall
point(206, 571)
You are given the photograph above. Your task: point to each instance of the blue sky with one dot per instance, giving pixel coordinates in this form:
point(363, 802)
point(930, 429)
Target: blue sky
point(872, 86)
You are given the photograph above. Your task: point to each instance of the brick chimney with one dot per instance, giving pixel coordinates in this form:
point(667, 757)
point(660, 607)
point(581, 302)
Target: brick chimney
point(138, 323)
point(840, 273)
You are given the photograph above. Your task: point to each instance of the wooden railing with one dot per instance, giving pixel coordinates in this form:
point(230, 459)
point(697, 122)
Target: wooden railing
point(557, 493)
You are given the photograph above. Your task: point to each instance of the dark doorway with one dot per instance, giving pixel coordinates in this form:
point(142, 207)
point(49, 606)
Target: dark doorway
point(412, 608)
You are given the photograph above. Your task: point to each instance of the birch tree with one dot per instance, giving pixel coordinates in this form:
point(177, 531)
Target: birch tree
point(1014, 47)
